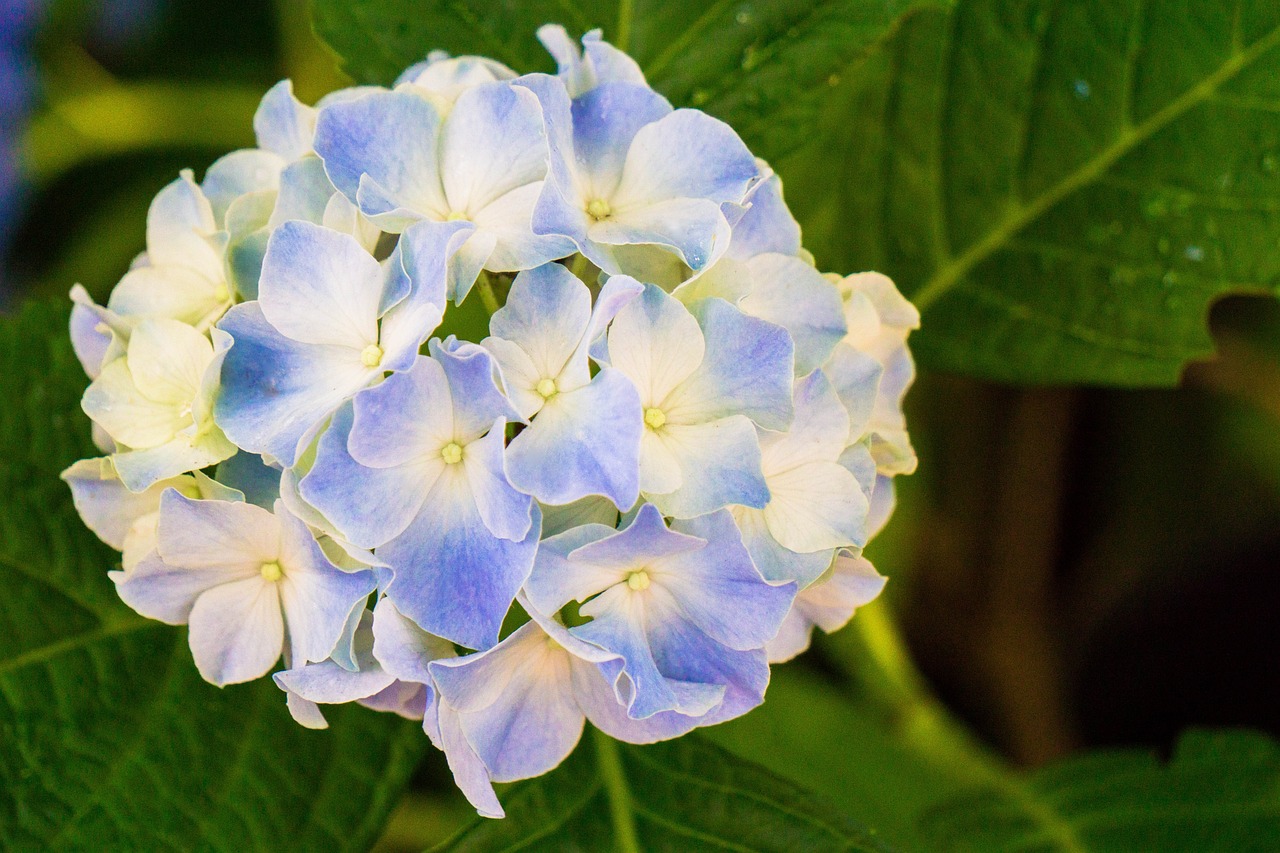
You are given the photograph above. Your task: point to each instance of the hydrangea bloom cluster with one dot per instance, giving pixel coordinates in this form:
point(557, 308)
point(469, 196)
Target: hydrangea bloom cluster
point(650, 479)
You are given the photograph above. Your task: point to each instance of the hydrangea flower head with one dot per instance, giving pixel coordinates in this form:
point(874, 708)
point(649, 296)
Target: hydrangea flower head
point(649, 478)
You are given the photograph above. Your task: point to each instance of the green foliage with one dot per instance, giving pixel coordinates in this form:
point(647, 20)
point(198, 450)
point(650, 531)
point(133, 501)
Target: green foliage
point(683, 795)
point(1062, 188)
point(109, 739)
point(1221, 792)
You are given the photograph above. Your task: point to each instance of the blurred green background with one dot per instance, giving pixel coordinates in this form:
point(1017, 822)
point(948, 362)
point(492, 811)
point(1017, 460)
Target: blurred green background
point(1070, 568)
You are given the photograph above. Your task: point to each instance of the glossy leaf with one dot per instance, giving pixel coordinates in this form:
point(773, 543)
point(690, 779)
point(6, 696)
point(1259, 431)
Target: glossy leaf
point(681, 795)
point(109, 740)
point(1220, 792)
point(1063, 188)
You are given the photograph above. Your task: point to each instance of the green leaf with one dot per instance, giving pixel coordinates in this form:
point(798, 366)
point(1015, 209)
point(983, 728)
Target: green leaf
point(768, 67)
point(1221, 792)
point(109, 740)
point(684, 795)
point(1063, 188)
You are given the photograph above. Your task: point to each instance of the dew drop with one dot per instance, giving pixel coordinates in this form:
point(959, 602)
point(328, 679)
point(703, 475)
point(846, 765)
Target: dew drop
point(1270, 163)
point(1194, 253)
point(699, 97)
point(743, 16)
point(1082, 89)
point(833, 80)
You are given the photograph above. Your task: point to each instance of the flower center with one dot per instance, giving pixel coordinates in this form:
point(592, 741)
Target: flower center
point(272, 571)
point(547, 388)
point(371, 356)
point(655, 418)
point(638, 581)
point(455, 215)
point(452, 453)
point(221, 293)
point(598, 209)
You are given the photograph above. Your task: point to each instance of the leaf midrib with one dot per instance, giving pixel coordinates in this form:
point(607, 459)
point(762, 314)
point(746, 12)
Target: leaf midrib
point(1021, 216)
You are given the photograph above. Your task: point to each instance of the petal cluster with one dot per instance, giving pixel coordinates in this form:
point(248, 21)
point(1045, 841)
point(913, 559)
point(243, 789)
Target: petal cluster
point(649, 479)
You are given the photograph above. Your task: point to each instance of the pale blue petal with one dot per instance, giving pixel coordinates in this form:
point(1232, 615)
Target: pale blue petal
point(304, 193)
point(402, 648)
point(687, 154)
point(516, 703)
point(646, 539)
point(719, 464)
point(329, 683)
point(283, 124)
point(367, 506)
point(547, 313)
point(316, 596)
point(719, 589)
point(856, 379)
point(790, 293)
point(393, 138)
point(595, 695)
point(774, 561)
point(556, 581)
point(685, 653)
point(275, 390)
point(321, 287)
point(403, 698)
point(469, 772)
point(767, 225)
point(506, 512)
point(404, 418)
point(236, 631)
point(105, 505)
point(492, 143)
point(747, 369)
point(583, 442)
point(167, 593)
point(477, 400)
point(240, 173)
point(605, 122)
point(452, 576)
point(692, 228)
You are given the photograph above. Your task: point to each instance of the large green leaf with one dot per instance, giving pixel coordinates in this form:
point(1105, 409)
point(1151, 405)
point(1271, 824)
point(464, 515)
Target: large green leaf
point(109, 740)
point(765, 66)
point(684, 795)
point(1221, 792)
point(1063, 188)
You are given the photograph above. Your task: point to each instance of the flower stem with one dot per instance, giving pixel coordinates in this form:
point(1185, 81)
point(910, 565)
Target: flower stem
point(484, 286)
point(618, 793)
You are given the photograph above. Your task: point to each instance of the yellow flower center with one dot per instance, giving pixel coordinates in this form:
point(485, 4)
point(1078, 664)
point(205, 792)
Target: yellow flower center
point(221, 293)
point(547, 388)
point(455, 215)
point(371, 356)
point(655, 418)
point(452, 453)
point(272, 571)
point(638, 581)
point(599, 209)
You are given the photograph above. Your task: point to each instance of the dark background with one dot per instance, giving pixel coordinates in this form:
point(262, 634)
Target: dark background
point(1071, 567)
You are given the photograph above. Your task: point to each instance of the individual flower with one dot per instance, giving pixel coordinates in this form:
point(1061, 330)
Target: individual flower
point(181, 276)
point(400, 160)
point(125, 520)
point(880, 319)
point(816, 504)
point(584, 438)
point(596, 62)
point(630, 176)
point(828, 603)
point(155, 403)
point(329, 320)
point(251, 585)
point(442, 77)
point(414, 468)
point(517, 710)
point(683, 607)
point(706, 377)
